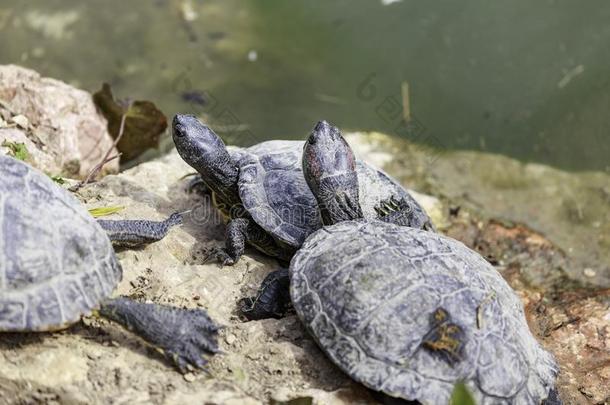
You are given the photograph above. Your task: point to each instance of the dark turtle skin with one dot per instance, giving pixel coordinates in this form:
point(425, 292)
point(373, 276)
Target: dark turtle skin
point(133, 233)
point(404, 311)
point(410, 313)
point(57, 264)
point(274, 192)
point(218, 168)
point(281, 184)
point(262, 191)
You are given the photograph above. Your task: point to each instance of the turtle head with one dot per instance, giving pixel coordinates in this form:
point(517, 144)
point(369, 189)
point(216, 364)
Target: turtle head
point(196, 143)
point(205, 152)
point(329, 166)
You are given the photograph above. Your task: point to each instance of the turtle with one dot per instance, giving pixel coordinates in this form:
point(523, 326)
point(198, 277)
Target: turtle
point(262, 191)
point(408, 312)
point(58, 264)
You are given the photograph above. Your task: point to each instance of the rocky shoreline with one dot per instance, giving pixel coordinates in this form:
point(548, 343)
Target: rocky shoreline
point(482, 200)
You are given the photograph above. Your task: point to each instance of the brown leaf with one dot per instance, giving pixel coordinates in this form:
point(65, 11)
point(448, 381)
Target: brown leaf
point(144, 122)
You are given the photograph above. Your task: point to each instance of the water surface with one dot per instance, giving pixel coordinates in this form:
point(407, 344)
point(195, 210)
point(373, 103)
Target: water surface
point(526, 79)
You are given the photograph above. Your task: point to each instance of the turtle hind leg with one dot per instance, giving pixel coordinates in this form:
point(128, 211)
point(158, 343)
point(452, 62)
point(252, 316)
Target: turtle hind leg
point(138, 232)
point(553, 398)
point(272, 299)
point(184, 336)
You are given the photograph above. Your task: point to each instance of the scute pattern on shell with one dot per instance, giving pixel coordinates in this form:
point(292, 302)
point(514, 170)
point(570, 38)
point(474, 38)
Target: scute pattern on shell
point(56, 263)
point(274, 191)
point(366, 290)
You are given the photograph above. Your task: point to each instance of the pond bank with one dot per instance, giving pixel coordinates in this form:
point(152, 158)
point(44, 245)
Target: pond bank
point(96, 361)
point(489, 202)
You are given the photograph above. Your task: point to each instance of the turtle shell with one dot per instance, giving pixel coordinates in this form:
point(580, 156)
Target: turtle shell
point(56, 262)
point(273, 190)
point(380, 300)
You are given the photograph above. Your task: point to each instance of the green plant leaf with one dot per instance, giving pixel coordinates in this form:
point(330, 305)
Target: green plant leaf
point(461, 395)
point(57, 179)
point(144, 122)
point(17, 150)
point(103, 211)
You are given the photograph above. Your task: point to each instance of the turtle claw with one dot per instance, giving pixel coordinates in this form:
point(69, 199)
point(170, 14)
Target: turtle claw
point(198, 337)
point(184, 336)
point(247, 307)
point(226, 261)
point(188, 363)
point(272, 299)
point(221, 256)
point(189, 357)
point(390, 205)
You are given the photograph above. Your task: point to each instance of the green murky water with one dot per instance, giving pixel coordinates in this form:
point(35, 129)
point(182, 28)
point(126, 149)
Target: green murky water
point(526, 79)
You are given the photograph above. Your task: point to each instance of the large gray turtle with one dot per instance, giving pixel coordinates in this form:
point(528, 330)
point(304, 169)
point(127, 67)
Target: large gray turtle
point(57, 264)
point(263, 192)
point(404, 311)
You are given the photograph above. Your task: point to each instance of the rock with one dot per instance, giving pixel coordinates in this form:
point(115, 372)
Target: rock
point(589, 273)
point(216, 394)
point(189, 377)
point(434, 207)
point(50, 366)
point(230, 339)
point(320, 397)
point(21, 120)
point(275, 360)
point(83, 358)
point(579, 336)
point(59, 124)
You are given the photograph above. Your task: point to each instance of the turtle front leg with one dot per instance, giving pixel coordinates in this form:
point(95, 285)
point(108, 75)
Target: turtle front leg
point(197, 185)
point(241, 231)
point(184, 336)
point(400, 212)
point(553, 398)
point(272, 299)
point(134, 233)
point(394, 211)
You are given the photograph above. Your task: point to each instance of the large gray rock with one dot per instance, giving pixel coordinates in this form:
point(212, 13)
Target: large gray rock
point(58, 123)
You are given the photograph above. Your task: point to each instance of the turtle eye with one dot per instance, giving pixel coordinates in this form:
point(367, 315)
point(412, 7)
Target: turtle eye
point(179, 130)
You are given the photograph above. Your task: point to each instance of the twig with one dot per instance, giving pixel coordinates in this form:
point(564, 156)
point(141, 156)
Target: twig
point(96, 169)
point(406, 102)
point(7, 107)
point(107, 158)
